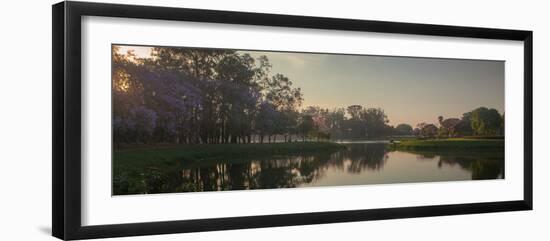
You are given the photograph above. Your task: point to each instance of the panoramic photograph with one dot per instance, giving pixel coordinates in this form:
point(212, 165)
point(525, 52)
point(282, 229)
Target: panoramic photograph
point(187, 119)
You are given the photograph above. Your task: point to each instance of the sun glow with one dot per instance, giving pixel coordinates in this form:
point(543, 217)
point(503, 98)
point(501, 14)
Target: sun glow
point(136, 51)
point(121, 81)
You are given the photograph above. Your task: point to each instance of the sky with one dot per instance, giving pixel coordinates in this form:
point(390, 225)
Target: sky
point(410, 90)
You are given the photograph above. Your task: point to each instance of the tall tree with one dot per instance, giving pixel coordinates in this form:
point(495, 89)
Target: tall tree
point(486, 121)
point(376, 121)
point(403, 129)
point(354, 111)
point(306, 126)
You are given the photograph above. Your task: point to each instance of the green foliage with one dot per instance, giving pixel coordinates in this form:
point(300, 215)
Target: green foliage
point(362, 123)
point(486, 121)
point(426, 130)
point(213, 96)
point(464, 127)
point(479, 122)
point(404, 129)
point(306, 126)
point(354, 111)
point(375, 121)
point(451, 144)
point(194, 95)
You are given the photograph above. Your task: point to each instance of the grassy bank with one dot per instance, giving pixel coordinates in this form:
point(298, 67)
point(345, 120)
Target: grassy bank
point(450, 144)
point(137, 158)
point(381, 138)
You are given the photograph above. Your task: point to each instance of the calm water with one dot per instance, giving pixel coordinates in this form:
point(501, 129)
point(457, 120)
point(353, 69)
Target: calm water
point(359, 164)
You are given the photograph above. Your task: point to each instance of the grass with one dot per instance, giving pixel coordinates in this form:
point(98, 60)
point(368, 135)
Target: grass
point(382, 138)
point(450, 144)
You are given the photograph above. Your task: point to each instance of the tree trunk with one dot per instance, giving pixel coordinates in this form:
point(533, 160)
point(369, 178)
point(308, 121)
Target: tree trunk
point(223, 131)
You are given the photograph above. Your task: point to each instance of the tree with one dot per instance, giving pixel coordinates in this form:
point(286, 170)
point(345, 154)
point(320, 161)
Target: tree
point(375, 121)
point(403, 129)
point(193, 95)
point(289, 123)
point(279, 92)
point(306, 126)
point(265, 120)
point(429, 130)
point(416, 131)
point(486, 121)
point(464, 127)
point(425, 130)
point(335, 119)
point(321, 121)
point(236, 68)
point(447, 127)
point(142, 123)
point(354, 111)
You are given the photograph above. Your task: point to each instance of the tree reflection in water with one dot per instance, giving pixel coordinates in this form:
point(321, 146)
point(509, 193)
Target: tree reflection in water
point(483, 165)
point(292, 171)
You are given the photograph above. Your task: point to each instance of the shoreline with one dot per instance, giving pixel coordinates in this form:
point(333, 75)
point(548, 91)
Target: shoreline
point(450, 144)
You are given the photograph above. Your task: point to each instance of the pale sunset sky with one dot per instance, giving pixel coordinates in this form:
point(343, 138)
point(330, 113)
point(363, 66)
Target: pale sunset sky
point(410, 90)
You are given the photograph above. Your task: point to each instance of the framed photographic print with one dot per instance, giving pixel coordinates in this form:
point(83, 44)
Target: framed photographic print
point(170, 120)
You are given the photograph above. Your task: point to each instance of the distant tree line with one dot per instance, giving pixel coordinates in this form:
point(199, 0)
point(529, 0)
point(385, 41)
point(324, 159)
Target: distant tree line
point(352, 122)
point(201, 96)
point(481, 121)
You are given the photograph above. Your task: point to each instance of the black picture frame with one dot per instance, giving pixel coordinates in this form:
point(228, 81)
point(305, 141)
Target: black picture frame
point(66, 152)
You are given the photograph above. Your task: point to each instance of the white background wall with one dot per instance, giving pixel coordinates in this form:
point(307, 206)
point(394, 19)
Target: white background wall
point(25, 119)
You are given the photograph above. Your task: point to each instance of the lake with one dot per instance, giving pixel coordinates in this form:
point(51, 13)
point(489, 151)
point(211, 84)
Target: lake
point(360, 163)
